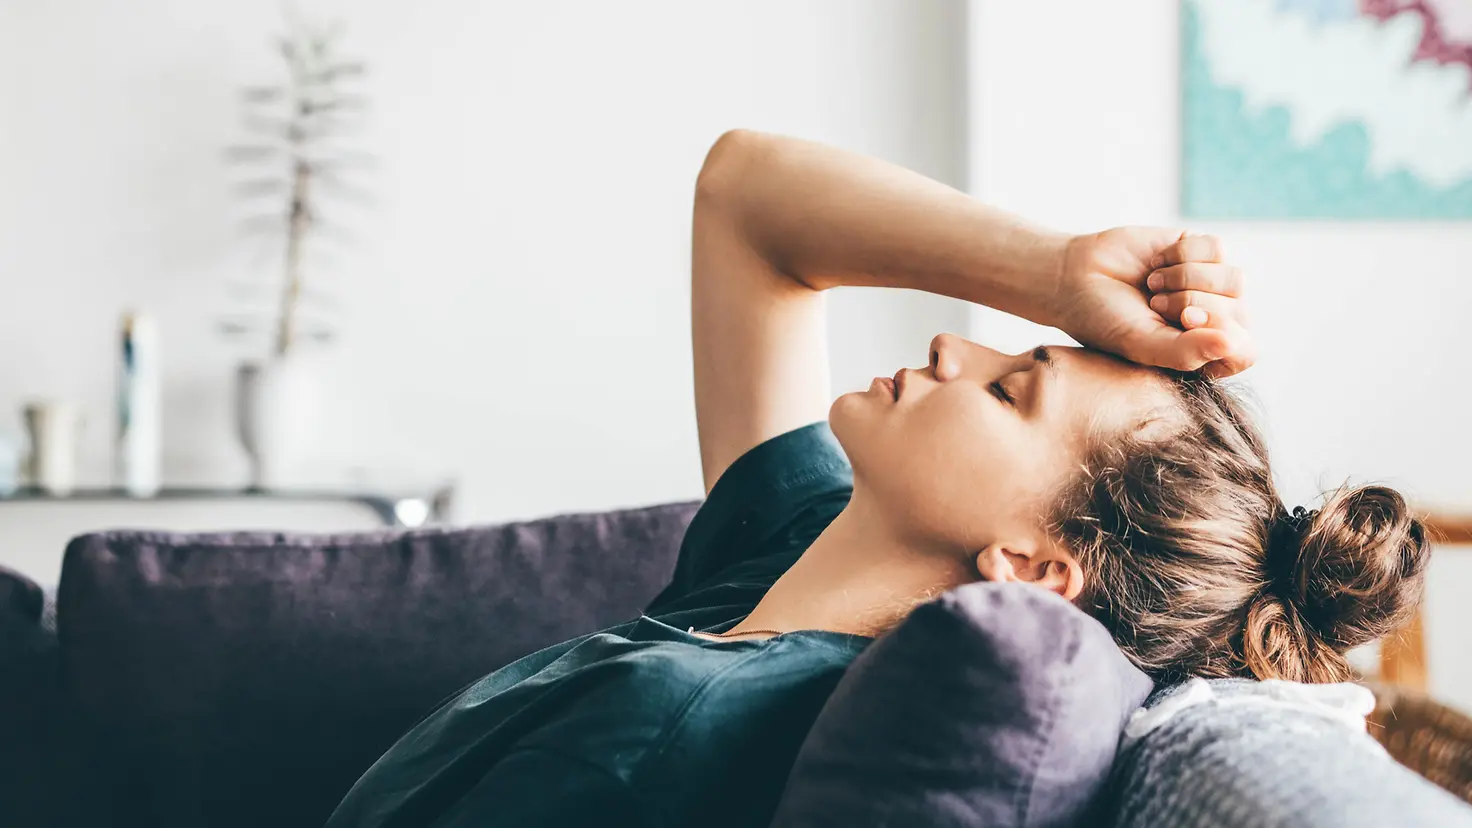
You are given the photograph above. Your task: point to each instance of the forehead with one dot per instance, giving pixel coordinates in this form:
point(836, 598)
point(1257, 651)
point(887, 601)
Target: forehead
point(1101, 393)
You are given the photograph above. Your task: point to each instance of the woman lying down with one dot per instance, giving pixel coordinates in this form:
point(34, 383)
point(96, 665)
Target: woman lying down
point(1121, 476)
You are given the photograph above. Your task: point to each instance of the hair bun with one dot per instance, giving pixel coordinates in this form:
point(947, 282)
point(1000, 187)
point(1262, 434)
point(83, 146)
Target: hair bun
point(1351, 570)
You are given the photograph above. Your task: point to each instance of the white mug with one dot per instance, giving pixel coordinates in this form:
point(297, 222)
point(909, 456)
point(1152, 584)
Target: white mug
point(54, 427)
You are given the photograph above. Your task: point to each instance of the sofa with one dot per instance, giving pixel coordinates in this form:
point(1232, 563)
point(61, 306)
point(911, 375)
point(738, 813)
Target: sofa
point(247, 679)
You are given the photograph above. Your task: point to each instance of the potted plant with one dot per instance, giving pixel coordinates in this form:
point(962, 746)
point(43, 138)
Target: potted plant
point(297, 160)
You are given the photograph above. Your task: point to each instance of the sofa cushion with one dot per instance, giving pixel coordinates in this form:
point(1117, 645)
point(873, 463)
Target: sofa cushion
point(33, 743)
point(249, 679)
point(996, 705)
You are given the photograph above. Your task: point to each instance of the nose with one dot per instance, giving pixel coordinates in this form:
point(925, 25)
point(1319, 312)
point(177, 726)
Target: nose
point(945, 357)
point(949, 355)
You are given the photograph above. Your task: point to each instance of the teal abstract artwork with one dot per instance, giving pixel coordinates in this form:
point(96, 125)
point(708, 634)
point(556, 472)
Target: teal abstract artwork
point(1327, 109)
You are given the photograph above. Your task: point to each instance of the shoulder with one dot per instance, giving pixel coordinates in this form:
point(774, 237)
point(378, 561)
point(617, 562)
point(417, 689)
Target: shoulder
point(769, 504)
point(770, 484)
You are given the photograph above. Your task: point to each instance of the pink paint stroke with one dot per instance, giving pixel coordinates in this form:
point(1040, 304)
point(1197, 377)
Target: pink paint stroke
point(1436, 44)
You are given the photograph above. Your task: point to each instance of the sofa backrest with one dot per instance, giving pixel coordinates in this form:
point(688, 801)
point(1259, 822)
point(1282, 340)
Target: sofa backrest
point(249, 679)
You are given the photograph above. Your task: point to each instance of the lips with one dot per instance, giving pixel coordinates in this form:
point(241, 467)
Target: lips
point(899, 384)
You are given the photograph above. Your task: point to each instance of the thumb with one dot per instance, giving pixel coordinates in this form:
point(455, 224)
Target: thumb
point(1168, 347)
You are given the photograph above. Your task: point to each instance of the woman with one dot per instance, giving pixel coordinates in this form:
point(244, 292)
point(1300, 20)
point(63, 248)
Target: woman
point(1135, 487)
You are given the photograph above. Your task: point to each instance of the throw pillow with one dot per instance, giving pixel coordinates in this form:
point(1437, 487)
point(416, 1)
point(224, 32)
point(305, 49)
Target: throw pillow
point(995, 705)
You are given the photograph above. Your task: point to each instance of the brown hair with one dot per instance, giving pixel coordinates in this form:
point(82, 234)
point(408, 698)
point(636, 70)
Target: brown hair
point(1196, 567)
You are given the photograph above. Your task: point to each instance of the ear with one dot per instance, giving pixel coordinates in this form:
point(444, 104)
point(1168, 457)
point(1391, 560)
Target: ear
point(1044, 564)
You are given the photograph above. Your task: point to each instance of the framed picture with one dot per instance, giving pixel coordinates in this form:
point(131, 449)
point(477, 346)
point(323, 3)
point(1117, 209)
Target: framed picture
point(1326, 109)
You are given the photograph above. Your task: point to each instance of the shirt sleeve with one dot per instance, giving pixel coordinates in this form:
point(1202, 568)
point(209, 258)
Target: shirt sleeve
point(767, 506)
point(536, 788)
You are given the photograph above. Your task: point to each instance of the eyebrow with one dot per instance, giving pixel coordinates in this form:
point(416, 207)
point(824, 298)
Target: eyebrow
point(1044, 357)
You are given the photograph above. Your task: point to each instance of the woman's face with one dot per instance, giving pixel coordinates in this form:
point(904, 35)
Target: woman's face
point(968, 451)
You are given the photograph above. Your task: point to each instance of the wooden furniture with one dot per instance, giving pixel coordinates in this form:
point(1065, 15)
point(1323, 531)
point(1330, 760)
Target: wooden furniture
point(1425, 735)
point(1403, 655)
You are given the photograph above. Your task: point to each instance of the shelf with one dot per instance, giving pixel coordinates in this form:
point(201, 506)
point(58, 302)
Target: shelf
point(406, 510)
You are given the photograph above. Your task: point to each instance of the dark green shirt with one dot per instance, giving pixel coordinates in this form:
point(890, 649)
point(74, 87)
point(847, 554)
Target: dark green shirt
point(645, 723)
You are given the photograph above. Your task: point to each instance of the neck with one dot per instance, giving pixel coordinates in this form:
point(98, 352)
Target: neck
point(860, 576)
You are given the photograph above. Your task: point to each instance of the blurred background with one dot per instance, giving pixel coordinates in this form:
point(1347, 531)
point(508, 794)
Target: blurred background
point(494, 319)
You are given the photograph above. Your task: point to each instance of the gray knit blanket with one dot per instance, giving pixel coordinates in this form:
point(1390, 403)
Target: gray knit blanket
point(1223, 765)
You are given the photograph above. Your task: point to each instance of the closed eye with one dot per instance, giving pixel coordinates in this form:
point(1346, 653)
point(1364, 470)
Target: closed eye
point(1002, 393)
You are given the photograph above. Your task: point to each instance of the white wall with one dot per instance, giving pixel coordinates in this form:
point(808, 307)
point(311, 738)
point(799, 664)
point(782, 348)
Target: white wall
point(1362, 326)
point(514, 312)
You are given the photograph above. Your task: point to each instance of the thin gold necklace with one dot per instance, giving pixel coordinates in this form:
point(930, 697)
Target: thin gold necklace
point(732, 634)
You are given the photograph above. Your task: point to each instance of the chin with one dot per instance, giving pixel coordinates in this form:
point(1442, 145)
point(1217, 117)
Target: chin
point(850, 417)
point(842, 414)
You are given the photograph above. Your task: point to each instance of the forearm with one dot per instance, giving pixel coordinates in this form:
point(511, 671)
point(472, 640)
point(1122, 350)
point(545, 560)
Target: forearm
point(825, 217)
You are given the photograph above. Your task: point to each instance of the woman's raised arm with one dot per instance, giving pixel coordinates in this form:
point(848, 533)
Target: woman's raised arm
point(778, 220)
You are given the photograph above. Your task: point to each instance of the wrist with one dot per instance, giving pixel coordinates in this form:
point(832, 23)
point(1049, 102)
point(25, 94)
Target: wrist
point(1049, 293)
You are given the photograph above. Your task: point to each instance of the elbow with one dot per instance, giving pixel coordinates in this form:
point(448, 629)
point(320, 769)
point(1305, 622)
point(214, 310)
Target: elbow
point(723, 165)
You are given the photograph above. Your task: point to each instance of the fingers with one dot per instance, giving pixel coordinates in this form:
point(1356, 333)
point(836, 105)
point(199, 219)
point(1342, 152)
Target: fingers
point(1180, 350)
point(1190, 249)
point(1223, 368)
point(1210, 277)
point(1240, 354)
point(1195, 309)
point(1220, 351)
point(1194, 289)
point(1231, 350)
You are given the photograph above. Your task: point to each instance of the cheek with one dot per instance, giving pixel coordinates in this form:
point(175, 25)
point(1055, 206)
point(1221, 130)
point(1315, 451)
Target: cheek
point(955, 459)
point(968, 441)
point(969, 468)
point(953, 467)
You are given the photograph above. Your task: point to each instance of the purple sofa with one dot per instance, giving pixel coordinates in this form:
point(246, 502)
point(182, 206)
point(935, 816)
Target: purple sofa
point(249, 679)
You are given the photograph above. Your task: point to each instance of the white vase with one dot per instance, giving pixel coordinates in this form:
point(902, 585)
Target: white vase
point(276, 412)
point(55, 426)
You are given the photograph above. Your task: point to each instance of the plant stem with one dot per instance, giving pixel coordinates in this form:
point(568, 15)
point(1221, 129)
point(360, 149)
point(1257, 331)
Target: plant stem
point(300, 218)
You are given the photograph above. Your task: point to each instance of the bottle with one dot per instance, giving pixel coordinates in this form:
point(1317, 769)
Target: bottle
point(138, 449)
